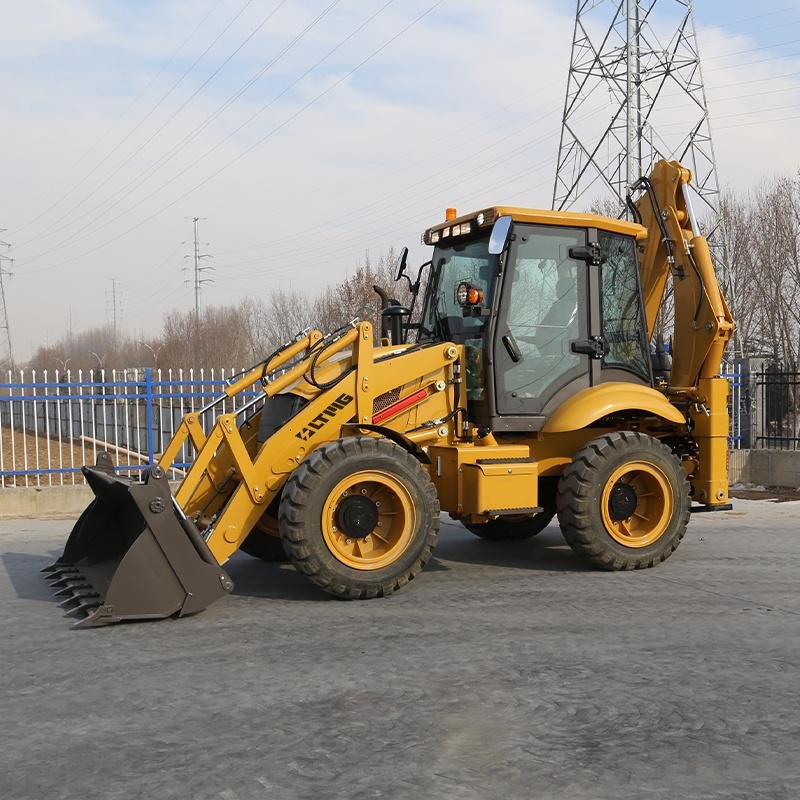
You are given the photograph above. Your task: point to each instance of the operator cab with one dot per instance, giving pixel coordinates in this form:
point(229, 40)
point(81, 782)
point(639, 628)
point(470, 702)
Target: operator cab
point(546, 303)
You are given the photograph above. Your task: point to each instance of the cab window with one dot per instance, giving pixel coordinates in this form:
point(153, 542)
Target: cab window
point(623, 326)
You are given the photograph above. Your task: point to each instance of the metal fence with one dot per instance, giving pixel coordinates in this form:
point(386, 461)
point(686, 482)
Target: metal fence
point(739, 402)
point(51, 422)
point(777, 401)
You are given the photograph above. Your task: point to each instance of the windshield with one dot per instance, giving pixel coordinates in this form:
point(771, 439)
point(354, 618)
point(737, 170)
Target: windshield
point(454, 264)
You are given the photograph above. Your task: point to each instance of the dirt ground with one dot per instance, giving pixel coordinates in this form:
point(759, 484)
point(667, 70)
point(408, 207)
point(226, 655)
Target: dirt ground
point(17, 446)
point(774, 493)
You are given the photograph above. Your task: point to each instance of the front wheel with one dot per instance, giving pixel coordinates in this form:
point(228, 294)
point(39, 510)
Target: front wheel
point(264, 541)
point(623, 503)
point(359, 517)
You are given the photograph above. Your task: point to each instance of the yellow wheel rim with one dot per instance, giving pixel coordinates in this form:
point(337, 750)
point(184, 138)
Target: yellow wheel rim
point(384, 500)
point(637, 504)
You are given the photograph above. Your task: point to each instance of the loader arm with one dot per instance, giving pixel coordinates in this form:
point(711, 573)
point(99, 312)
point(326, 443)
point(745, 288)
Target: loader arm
point(348, 400)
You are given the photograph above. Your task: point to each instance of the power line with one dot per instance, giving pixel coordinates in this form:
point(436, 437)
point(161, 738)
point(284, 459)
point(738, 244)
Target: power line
point(252, 147)
point(106, 206)
point(144, 119)
point(150, 83)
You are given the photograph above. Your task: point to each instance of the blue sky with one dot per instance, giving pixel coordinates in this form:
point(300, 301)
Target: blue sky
point(104, 163)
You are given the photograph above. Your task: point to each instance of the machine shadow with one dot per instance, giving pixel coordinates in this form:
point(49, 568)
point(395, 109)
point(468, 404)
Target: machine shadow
point(547, 552)
point(24, 572)
point(255, 578)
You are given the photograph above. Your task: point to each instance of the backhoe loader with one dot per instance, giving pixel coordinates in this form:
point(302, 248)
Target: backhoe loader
point(521, 388)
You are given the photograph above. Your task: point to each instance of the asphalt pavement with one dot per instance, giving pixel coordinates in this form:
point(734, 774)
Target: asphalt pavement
point(503, 671)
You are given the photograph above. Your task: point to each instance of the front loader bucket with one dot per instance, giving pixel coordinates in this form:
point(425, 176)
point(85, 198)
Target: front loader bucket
point(133, 555)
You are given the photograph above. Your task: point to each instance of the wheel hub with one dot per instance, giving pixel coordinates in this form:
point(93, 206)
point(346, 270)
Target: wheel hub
point(622, 502)
point(357, 516)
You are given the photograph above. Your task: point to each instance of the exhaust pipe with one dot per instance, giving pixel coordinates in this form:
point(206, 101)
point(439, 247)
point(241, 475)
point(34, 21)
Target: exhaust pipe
point(133, 554)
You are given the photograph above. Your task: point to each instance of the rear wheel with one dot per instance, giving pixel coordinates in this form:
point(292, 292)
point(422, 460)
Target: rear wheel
point(359, 517)
point(623, 503)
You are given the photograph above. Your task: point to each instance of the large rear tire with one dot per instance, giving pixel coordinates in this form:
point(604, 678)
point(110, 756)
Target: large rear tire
point(359, 517)
point(623, 503)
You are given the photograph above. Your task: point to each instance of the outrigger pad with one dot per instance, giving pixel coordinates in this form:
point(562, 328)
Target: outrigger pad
point(132, 555)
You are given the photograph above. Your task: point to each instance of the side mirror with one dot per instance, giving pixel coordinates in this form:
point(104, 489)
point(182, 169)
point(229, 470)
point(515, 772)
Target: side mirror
point(501, 231)
point(401, 267)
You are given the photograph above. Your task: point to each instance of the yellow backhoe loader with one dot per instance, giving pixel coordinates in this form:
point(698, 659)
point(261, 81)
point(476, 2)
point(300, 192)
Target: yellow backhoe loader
point(521, 388)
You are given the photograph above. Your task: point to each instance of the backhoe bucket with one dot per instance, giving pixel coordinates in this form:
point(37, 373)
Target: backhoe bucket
point(133, 555)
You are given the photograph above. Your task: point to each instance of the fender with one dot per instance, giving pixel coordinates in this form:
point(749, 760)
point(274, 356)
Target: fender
point(397, 437)
point(596, 402)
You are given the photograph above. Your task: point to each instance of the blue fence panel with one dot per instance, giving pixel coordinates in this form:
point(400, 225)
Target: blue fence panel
point(54, 422)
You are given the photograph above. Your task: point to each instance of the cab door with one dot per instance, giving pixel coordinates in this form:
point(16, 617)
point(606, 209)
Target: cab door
point(543, 310)
point(618, 321)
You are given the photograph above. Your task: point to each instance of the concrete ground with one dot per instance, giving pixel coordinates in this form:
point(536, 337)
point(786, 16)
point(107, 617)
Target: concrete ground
point(503, 671)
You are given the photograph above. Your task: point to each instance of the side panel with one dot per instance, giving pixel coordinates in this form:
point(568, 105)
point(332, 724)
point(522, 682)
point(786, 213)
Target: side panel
point(460, 495)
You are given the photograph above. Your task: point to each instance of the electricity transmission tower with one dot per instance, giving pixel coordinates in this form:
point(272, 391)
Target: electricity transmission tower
point(114, 308)
point(198, 279)
point(635, 95)
point(6, 351)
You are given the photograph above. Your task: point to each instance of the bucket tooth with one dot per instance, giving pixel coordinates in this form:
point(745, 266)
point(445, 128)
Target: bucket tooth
point(78, 596)
point(84, 608)
point(69, 581)
point(62, 577)
point(65, 592)
point(58, 568)
point(102, 615)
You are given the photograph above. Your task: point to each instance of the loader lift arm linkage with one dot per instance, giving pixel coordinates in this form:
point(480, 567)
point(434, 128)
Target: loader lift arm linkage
point(523, 396)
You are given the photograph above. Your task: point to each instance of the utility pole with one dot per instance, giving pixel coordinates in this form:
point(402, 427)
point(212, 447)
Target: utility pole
point(635, 94)
point(198, 279)
point(6, 351)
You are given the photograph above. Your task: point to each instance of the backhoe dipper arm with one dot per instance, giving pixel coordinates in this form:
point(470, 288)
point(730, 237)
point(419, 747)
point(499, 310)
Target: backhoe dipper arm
point(703, 323)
